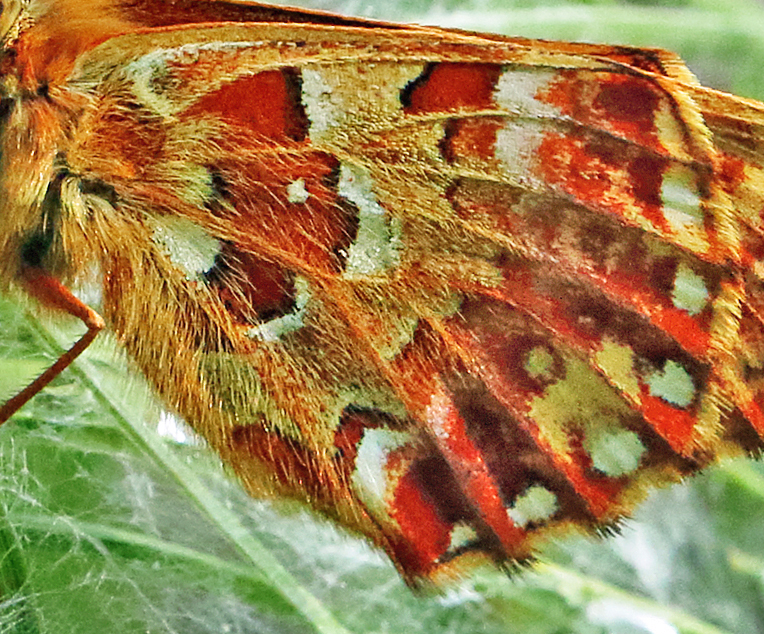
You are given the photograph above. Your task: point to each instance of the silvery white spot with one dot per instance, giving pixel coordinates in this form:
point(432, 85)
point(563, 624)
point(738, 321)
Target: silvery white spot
point(438, 414)
point(370, 477)
point(276, 328)
point(517, 90)
point(673, 384)
point(323, 107)
point(87, 288)
point(682, 204)
point(378, 240)
point(614, 451)
point(536, 504)
point(517, 146)
point(690, 292)
point(188, 245)
point(462, 535)
point(296, 192)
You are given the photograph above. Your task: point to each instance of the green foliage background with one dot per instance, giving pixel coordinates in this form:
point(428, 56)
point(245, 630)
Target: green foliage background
point(108, 525)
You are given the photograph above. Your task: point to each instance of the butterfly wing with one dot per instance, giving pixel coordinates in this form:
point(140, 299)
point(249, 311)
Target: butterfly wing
point(460, 294)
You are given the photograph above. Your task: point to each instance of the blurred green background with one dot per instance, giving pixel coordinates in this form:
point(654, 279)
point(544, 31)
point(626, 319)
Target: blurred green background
point(113, 521)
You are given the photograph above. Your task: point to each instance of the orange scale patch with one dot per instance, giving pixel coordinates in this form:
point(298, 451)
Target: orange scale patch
point(426, 536)
point(674, 425)
point(266, 105)
point(600, 176)
point(595, 249)
point(624, 105)
point(583, 316)
point(471, 471)
point(691, 332)
point(448, 87)
point(251, 288)
point(315, 233)
point(419, 380)
point(470, 139)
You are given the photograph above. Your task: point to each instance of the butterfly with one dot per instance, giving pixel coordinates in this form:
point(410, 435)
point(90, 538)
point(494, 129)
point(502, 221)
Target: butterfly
point(461, 293)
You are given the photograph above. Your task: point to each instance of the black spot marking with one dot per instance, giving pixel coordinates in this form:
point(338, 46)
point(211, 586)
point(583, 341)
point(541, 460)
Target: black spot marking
point(35, 248)
point(299, 122)
point(6, 108)
point(450, 129)
point(408, 91)
point(101, 189)
point(37, 245)
point(221, 192)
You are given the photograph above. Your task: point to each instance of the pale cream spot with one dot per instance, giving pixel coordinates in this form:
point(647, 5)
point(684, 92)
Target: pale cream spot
point(682, 204)
point(296, 192)
point(539, 363)
point(537, 504)
point(672, 131)
point(396, 337)
point(323, 106)
point(372, 479)
point(614, 451)
point(517, 90)
point(581, 397)
point(146, 74)
point(617, 362)
point(377, 245)
point(188, 245)
point(278, 327)
point(690, 292)
point(673, 384)
point(462, 535)
point(194, 183)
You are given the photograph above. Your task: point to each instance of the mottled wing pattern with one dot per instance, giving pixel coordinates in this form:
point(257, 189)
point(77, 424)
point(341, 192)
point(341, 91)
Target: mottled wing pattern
point(460, 293)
